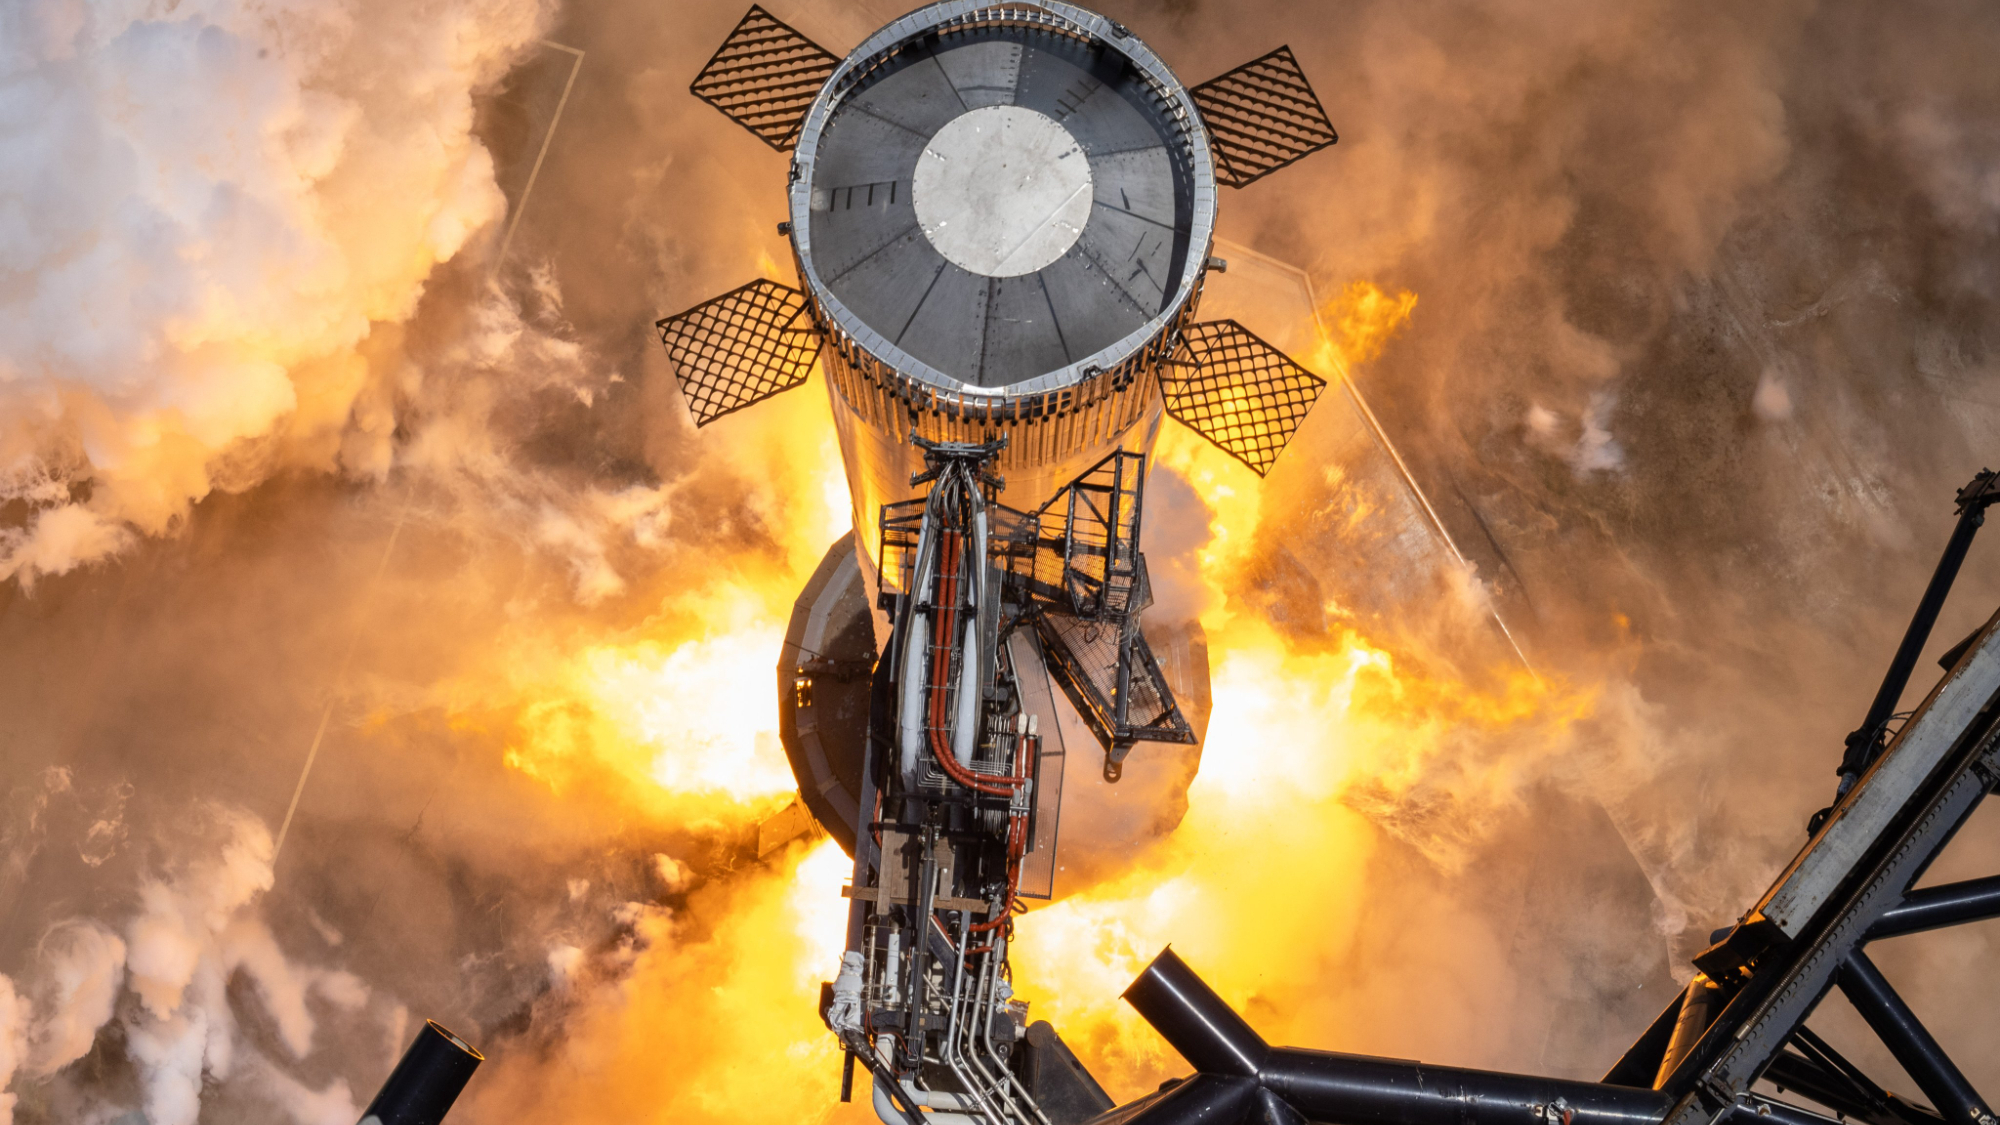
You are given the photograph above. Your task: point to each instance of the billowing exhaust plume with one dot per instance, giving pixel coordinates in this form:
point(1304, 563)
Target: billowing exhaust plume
point(206, 212)
point(1682, 315)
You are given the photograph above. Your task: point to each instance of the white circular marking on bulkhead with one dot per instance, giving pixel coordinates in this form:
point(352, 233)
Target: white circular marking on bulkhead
point(1002, 191)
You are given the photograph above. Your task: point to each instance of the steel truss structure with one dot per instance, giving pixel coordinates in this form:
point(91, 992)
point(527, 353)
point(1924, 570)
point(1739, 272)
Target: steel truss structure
point(1080, 580)
point(1742, 1018)
point(1237, 391)
point(1262, 116)
point(1089, 560)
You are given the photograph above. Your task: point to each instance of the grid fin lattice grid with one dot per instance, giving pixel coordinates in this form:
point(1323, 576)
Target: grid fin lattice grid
point(765, 76)
point(1238, 391)
point(1262, 116)
point(740, 348)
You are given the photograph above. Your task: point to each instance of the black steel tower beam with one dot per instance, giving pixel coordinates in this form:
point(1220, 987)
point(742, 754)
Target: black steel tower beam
point(1825, 1076)
point(1353, 1089)
point(1797, 1074)
point(1911, 1043)
point(1742, 1018)
point(1974, 900)
point(1865, 744)
point(1244, 1080)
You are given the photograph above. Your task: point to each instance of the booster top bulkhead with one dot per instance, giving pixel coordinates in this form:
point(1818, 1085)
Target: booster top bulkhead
point(1001, 215)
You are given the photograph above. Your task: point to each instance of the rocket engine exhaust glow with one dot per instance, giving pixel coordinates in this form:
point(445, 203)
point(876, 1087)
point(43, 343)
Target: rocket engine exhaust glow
point(389, 629)
point(1001, 218)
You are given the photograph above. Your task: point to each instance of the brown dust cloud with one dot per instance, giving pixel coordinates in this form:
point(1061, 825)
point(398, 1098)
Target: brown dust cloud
point(330, 448)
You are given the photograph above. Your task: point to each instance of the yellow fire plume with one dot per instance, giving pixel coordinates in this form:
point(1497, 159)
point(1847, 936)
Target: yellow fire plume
point(1260, 885)
point(677, 720)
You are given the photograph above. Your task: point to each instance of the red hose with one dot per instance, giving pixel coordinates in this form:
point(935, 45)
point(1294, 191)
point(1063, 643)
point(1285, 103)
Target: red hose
point(1017, 846)
point(1004, 786)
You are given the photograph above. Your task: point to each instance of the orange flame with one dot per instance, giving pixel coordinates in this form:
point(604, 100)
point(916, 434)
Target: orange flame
point(1364, 320)
point(712, 1018)
point(678, 721)
point(1259, 886)
point(1260, 883)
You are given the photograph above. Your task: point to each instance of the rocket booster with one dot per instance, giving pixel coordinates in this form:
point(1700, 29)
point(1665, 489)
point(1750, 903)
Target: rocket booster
point(1001, 217)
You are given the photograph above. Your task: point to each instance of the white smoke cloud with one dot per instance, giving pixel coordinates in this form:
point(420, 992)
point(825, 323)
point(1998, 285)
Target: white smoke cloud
point(1588, 443)
point(165, 980)
point(83, 968)
point(13, 1044)
point(307, 1106)
point(1597, 450)
point(1772, 400)
point(205, 207)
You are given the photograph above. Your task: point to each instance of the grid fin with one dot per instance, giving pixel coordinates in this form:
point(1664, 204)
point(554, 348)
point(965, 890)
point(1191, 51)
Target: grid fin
point(740, 348)
point(765, 76)
point(1238, 391)
point(1262, 116)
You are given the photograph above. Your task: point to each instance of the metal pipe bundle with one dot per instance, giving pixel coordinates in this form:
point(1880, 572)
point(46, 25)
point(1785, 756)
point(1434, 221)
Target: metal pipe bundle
point(1907, 1039)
